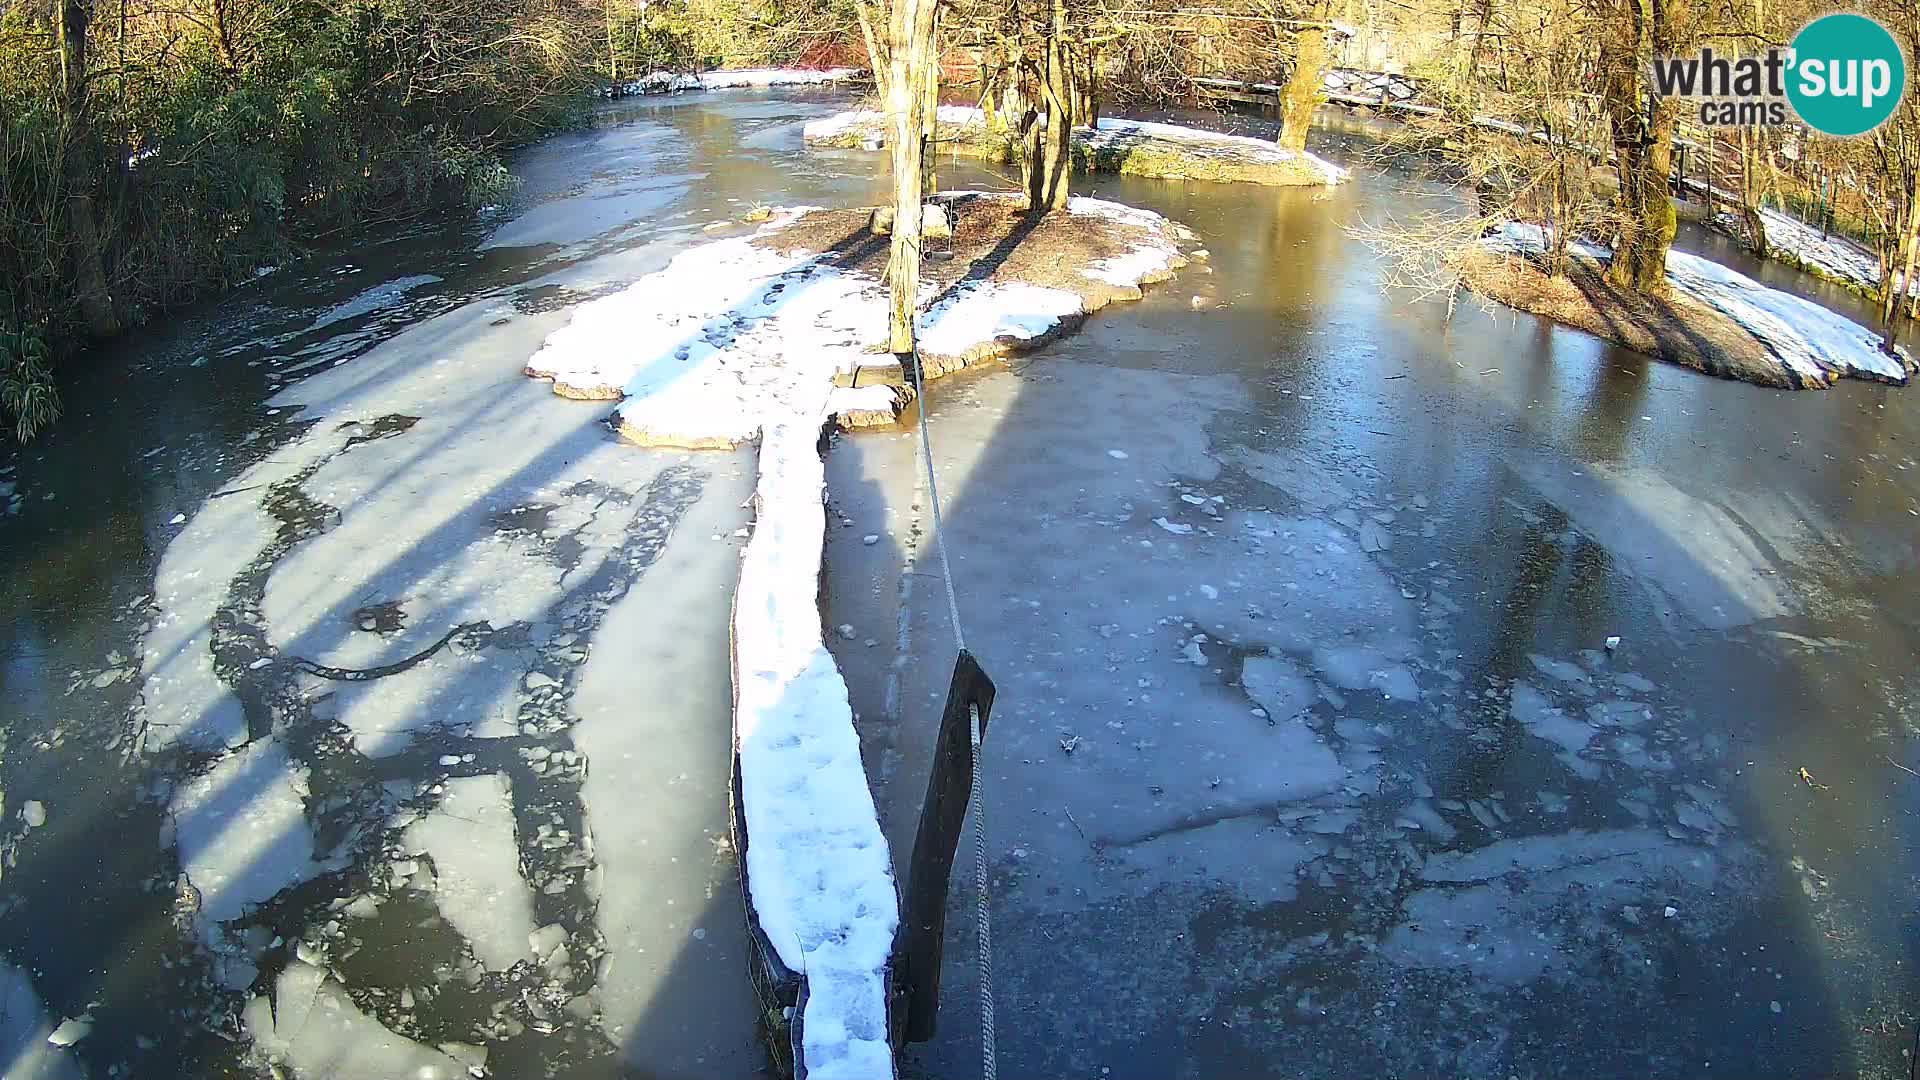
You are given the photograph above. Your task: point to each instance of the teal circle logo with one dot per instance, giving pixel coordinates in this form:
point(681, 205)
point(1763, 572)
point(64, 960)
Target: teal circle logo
point(1845, 74)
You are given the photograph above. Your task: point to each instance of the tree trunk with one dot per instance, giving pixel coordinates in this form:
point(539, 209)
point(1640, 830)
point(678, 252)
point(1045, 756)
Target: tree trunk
point(1913, 250)
point(1756, 224)
point(85, 253)
point(613, 57)
point(1301, 96)
point(930, 116)
point(1643, 145)
point(1055, 182)
point(909, 52)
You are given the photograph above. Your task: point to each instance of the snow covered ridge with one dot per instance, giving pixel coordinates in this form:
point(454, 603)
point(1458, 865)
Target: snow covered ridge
point(1832, 256)
point(734, 341)
point(1808, 341)
point(669, 82)
point(1136, 147)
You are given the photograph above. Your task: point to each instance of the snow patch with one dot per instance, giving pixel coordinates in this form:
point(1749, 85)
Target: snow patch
point(984, 311)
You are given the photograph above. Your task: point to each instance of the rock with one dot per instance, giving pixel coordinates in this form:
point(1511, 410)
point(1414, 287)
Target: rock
point(846, 631)
point(933, 222)
point(870, 539)
point(540, 680)
point(34, 813)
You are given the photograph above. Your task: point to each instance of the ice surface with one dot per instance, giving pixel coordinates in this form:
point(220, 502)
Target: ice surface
point(384, 295)
point(312, 1026)
point(1513, 910)
point(1531, 708)
point(25, 1053)
point(1700, 552)
point(1277, 684)
point(1365, 667)
point(478, 886)
point(242, 830)
point(663, 862)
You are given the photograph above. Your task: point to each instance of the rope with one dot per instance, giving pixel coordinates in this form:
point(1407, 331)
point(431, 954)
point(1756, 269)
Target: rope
point(933, 497)
point(982, 920)
point(983, 917)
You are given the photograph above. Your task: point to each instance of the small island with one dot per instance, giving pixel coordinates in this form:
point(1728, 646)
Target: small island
point(1112, 145)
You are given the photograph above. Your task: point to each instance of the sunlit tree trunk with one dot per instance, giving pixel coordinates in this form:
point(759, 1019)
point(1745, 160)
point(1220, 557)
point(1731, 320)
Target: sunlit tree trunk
point(1301, 95)
point(903, 59)
point(1054, 179)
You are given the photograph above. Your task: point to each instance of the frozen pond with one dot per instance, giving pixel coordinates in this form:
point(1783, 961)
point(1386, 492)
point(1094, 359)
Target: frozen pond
point(1310, 756)
point(366, 706)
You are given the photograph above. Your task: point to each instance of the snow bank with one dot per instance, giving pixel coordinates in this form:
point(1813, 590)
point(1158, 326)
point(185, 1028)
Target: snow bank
point(662, 82)
point(980, 312)
point(729, 342)
point(1834, 256)
point(1812, 343)
point(817, 864)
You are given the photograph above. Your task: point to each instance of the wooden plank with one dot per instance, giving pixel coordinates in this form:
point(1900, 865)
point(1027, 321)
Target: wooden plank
point(923, 924)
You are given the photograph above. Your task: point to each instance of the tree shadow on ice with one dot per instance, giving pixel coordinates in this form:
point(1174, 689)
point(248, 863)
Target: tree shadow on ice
point(1032, 494)
point(286, 695)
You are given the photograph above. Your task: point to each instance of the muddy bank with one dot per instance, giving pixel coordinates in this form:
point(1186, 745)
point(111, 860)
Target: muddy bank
point(1711, 319)
point(1677, 329)
point(1129, 147)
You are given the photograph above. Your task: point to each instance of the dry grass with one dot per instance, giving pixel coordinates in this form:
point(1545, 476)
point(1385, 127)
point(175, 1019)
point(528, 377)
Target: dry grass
point(994, 240)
